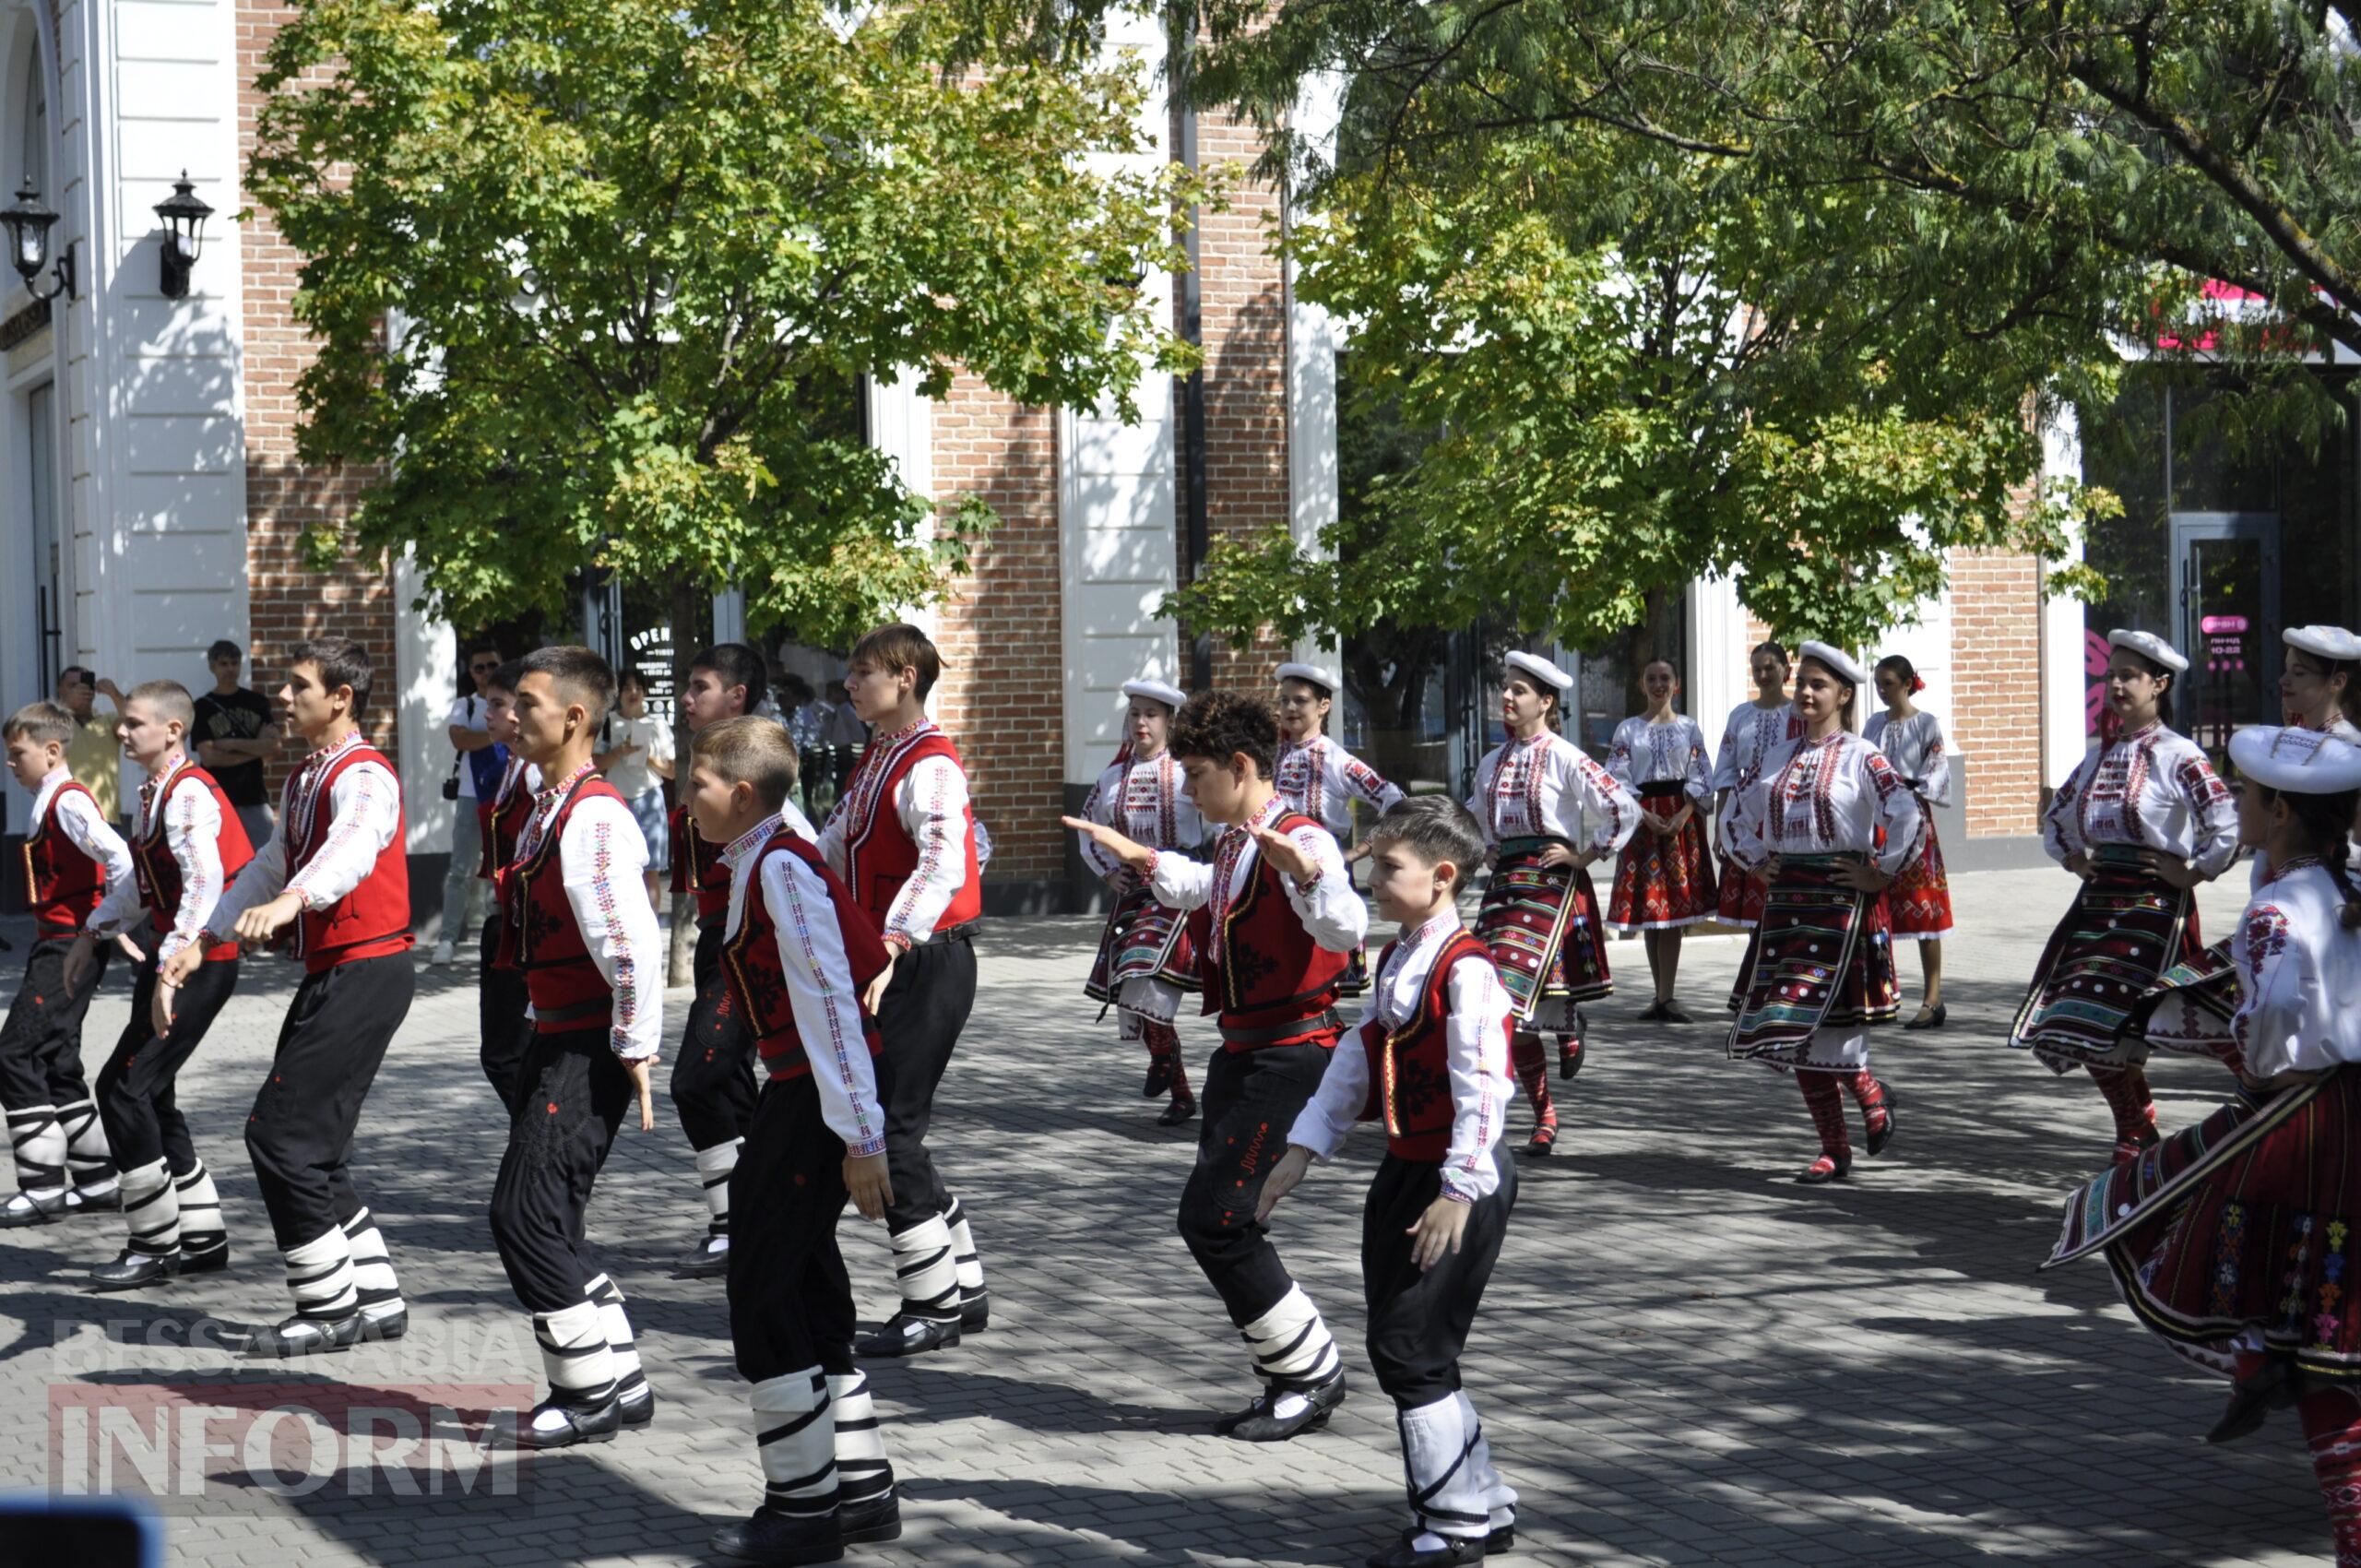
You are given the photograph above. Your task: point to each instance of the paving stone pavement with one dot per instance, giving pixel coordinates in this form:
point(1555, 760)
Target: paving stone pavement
point(1683, 1358)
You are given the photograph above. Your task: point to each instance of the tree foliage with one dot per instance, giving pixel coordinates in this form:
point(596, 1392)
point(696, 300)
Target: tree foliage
point(626, 242)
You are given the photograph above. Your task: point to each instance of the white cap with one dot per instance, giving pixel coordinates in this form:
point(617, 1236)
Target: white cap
point(1313, 674)
point(1836, 659)
point(1164, 692)
point(2149, 646)
point(2327, 642)
point(2301, 761)
point(1540, 669)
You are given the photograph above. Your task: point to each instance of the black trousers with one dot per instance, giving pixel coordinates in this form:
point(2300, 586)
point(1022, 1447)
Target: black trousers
point(925, 1006)
point(574, 1095)
point(136, 1088)
point(713, 1078)
point(1249, 1101)
point(300, 1132)
point(790, 1299)
point(40, 1043)
point(500, 1023)
point(1417, 1323)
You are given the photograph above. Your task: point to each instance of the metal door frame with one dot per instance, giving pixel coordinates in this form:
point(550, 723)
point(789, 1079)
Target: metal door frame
point(2187, 529)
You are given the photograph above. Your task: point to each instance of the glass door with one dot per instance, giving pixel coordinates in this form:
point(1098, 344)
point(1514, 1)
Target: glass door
point(2226, 570)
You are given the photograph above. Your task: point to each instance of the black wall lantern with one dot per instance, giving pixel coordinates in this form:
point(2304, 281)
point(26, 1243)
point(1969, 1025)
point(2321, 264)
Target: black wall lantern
point(183, 217)
point(29, 224)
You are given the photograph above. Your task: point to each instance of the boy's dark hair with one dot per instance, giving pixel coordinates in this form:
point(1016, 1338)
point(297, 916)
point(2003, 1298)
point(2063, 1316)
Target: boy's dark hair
point(579, 673)
point(737, 665)
point(40, 722)
point(1219, 725)
point(341, 662)
point(224, 648)
point(504, 678)
point(749, 749)
point(168, 698)
point(1436, 828)
point(901, 647)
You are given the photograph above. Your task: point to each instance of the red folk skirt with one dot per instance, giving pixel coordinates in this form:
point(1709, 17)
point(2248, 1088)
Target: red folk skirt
point(1919, 902)
point(1663, 882)
point(1738, 897)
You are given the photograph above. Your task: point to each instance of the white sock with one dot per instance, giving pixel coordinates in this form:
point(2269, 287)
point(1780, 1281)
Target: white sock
point(39, 1140)
point(151, 1210)
point(922, 1262)
point(1445, 1497)
point(373, 1268)
point(795, 1434)
point(963, 1261)
point(1291, 1344)
point(864, 1473)
point(575, 1356)
point(319, 1274)
point(1500, 1498)
point(714, 1166)
point(87, 1153)
point(630, 1382)
point(200, 1208)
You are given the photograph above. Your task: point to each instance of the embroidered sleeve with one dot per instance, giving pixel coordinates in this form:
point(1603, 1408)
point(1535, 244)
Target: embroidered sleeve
point(1336, 1104)
point(1333, 911)
point(826, 1003)
point(2213, 813)
point(1935, 771)
point(2268, 1026)
point(78, 814)
point(1896, 811)
point(1726, 761)
point(1745, 837)
point(1701, 765)
point(604, 858)
point(1381, 792)
point(1619, 756)
point(2061, 825)
point(1477, 1048)
point(1601, 800)
point(193, 833)
point(365, 805)
point(932, 801)
point(120, 905)
point(1105, 805)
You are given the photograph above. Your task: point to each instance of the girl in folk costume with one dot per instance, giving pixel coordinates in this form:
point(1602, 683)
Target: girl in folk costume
point(1320, 779)
point(2142, 822)
point(1919, 902)
point(1829, 824)
point(1548, 812)
point(1146, 959)
point(1664, 881)
point(2319, 681)
point(2238, 1240)
point(1754, 727)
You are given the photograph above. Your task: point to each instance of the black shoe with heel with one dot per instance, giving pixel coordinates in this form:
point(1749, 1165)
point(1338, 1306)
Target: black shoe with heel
point(1929, 1020)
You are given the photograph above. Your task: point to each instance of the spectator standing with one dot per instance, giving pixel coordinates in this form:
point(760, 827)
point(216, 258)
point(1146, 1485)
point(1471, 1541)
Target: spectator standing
point(635, 754)
point(235, 729)
point(474, 772)
point(94, 756)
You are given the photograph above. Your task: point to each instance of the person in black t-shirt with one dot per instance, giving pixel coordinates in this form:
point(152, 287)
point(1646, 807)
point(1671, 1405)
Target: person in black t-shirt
point(235, 729)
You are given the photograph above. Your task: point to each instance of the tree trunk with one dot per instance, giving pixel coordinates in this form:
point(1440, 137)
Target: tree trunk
point(681, 964)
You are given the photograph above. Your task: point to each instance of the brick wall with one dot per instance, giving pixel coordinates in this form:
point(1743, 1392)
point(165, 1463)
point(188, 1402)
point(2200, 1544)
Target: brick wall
point(1996, 686)
point(288, 602)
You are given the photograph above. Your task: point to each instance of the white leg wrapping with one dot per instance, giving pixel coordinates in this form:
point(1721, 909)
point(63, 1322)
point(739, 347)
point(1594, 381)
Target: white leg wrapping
point(922, 1262)
point(1445, 1497)
point(151, 1210)
point(1500, 1498)
point(965, 1264)
point(575, 1355)
point(38, 1139)
point(373, 1268)
point(631, 1380)
point(86, 1149)
point(319, 1276)
point(795, 1434)
point(1291, 1344)
point(714, 1166)
point(864, 1473)
point(200, 1211)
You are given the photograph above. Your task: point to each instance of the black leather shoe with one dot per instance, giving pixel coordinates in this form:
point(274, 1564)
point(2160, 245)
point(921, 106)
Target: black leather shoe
point(133, 1271)
point(1456, 1549)
point(975, 1310)
point(390, 1326)
point(1880, 1137)
point(705, 1261)
point(1570, 1054)
point(1651, 1013)
point(1926, 1020)
point(902, 1335)
point(21, 1210)
point(1182, 1108)
point(638, 1406)
point(305, 1336)
point(1258, 1423)
point(775, 1539)
point(1671, 1011)
point(1502, 1539)
point(108, 1197)
point(213, 1259)
point(1827, 1168)
point(1159, 1078)
point(2277, 1386)
point(867, 1523)
point(595, 1423)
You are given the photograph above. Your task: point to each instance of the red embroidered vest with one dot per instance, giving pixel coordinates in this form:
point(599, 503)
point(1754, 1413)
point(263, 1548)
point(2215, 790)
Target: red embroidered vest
point(540, 935)
point(697, 866)
point(880, 854)
point(373, 919)
point(502, 821)
point(757, 985)
point(160, 876)
point(1271, 983)
point(62, 884)
point(1409, 1069)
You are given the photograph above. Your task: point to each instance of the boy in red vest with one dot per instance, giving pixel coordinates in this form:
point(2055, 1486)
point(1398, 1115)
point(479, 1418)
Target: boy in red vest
point(186, 843)
point(903, 838)
point(336, 877)
point(1277, 920)
point(500, 1023)
point(797, 953)
point(72, 860)
point(713, 1080)
point(576, 919)
point(1431, 1059)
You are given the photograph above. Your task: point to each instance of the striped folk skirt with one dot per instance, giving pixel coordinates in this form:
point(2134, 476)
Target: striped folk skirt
point(1663, 882)
point(2126, 928)
point(1819, 971)
point(1145, 960)
point(1541, 924)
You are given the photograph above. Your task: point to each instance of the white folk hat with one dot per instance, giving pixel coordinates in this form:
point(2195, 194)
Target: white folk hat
point(1835, 660)
point(2327, 642)
point(2149, 646)
point(1540, 669)
point(1155, 690)
point(2300, 761)
point(1311, 674)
